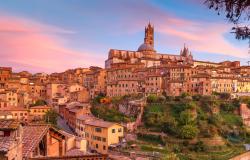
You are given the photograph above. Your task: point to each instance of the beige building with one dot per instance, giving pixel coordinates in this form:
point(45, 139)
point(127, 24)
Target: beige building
point(220, 84)
point(38, 112)
point(101, 134)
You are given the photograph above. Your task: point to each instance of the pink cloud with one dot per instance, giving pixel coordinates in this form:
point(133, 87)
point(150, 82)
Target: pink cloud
point(174, 31)
point(36, 47)
point(203, 37)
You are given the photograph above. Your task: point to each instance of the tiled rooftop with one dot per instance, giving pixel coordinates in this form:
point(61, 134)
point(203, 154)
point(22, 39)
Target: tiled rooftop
point(76, 152)
point(100, 123)
point(32, 135)
point(8, 124)
point(5, 143)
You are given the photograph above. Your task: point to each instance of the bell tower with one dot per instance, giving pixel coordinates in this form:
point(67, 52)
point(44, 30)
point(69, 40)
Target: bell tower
point(149, 35)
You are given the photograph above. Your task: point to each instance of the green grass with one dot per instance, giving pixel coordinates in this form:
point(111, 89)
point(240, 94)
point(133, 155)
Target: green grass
point(150, 148)
point(231, 119)
point(155, 108)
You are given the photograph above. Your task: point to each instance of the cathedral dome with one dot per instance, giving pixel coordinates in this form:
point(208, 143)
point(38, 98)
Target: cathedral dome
point(145, 47)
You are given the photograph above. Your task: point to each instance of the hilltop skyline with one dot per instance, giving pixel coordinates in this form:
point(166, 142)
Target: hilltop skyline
point(38, 37)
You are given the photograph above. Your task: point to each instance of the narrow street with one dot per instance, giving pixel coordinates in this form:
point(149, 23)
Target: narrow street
point(62, 124)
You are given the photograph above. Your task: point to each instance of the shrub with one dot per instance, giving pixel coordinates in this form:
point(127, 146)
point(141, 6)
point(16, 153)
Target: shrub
point(51, 117)
point(196, 97)
point(228, 107)
point(151, 138)
point(186, 118)
point(225, 96)
point(39, 102)
point(188, 131)
point(184, 95)
point(105, 100)
point(161, 99)
point(98, 98)
point(215, 119)
point(170, 156)
point(170, 126)
point(152, 98)
point(199, 147)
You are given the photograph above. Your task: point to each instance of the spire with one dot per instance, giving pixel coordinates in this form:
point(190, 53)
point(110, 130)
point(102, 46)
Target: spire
point(149, 35)
point(185, 51)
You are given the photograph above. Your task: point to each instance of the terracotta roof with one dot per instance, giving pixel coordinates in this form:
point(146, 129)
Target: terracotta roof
point(9, 124)
point(6, 143)
point(66, 134)
point(14, 108)
point(32, 135)
point(76, 152)
point(86, 117)
point(3, 113)
point(100, 123)
point(40, 107)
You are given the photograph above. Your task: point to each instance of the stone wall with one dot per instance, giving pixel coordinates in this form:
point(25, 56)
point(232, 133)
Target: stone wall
point(245, 114)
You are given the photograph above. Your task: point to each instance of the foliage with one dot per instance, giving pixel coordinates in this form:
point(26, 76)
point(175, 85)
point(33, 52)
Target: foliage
point(39, 102)
point(98, 98)
point(51, 117)
point(170, 126)
point(170, 156)
point(154, 118)
point(245, 100)
point(184, 95)
point(186, 118)
point(231, 119)
point(225, 96)
point(188, 131)
point(110, 114)
point(215, 119)
point(151, 138)
point(152, 98)
point(105, 100)
point(236, 11)
point(196, 97)
point(228, 107)
point(199, 147)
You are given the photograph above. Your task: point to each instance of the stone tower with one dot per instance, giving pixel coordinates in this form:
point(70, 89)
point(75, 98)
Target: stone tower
point(149, 35)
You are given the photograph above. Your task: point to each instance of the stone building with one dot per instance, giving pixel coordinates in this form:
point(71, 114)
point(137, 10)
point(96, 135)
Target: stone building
point(146, 54)
point(11, 134)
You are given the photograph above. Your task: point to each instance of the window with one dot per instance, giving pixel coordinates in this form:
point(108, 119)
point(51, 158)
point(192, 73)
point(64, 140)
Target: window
point(96, 145)
point(98, 129)
point(104, 147)
point(120, 130)
point(104, 139)
point(113, 130)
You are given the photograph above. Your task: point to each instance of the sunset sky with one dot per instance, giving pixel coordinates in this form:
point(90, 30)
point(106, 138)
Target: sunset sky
point(55, 35)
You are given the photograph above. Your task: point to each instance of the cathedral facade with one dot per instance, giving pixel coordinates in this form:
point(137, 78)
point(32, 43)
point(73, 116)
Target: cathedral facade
point(146, 54)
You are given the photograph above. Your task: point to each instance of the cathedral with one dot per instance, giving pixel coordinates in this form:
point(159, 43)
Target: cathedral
point(146, 54)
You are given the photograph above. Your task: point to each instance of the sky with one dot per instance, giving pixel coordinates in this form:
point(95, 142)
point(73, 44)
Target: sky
point(55, 35)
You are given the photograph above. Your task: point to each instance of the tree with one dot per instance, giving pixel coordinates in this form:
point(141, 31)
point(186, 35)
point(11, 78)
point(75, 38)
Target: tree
point(188, 131)
point(170, 125)
point(228, 107)
point(236, 11)
point(39, 102)
point(51, 117)
point(186, 118)
point(199, 147)
point(225, 96)
point(152, 98)
point(170, 156)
